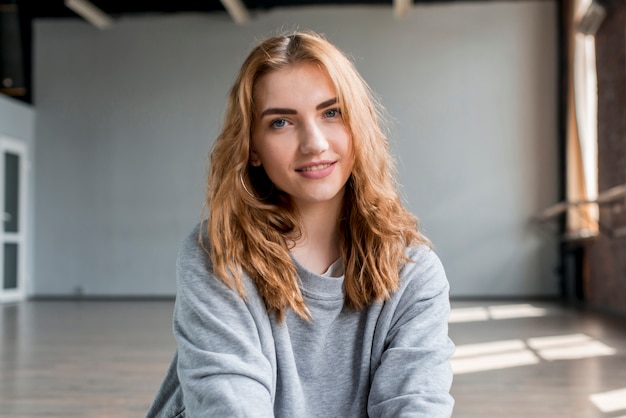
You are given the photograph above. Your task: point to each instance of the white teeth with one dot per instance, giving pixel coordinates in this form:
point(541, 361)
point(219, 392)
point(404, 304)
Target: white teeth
point(316, 167)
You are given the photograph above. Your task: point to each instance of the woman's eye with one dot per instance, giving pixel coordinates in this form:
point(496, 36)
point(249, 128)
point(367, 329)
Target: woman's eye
point(332, 113)
point(278, 123)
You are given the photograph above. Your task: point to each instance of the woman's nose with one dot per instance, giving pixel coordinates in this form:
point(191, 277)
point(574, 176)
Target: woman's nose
point(312, 139)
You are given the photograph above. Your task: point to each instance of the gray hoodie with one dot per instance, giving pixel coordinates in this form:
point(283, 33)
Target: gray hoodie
point(391, 359)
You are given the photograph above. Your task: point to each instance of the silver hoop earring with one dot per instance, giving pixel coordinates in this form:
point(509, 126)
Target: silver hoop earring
point(245, 188)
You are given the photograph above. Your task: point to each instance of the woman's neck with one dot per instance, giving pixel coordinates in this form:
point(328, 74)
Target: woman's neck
point(319, 246)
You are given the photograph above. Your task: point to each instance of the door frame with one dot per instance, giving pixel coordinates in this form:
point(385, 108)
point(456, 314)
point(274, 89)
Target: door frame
point(15, 146)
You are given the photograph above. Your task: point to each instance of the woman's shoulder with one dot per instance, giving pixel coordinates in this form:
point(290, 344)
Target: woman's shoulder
point(423, 270)
point(193, 249)
point(195, 269)
point(192, 240)
point(422, 254)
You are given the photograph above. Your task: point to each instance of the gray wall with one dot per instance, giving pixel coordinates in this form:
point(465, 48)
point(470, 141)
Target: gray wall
point(127, 116)
point(17, 121)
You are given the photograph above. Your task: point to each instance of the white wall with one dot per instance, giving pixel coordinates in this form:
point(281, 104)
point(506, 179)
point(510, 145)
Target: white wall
point(17, 121)
point(127, 116)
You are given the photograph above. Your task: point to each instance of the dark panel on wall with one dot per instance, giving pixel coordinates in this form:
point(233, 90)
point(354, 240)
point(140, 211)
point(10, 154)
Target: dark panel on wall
point(607, 282)
point(15, 60)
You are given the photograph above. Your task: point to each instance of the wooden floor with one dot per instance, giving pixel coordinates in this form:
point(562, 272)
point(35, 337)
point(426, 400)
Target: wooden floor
point(106, 359)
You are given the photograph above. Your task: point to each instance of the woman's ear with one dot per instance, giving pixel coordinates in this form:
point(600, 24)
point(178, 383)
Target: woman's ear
point(254, 158)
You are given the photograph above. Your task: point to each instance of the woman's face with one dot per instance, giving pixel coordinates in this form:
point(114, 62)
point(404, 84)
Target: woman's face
point(299, 136)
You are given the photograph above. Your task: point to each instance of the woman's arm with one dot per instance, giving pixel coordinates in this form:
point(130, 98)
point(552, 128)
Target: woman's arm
point(413, 376)
point(222, 367)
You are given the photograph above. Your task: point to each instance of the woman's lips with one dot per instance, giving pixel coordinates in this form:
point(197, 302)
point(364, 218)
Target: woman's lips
point(317, 170)
point(315, 167)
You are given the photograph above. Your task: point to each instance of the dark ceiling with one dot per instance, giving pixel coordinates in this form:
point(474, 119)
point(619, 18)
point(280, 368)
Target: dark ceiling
point(56, 8)
point(16, 17)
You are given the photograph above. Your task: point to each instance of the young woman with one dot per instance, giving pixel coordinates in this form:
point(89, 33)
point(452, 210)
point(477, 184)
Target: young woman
point(309, 291)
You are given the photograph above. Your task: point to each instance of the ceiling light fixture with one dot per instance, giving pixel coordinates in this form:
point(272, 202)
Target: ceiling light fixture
point(90, 13)
point(402, 8)
point(237, 10)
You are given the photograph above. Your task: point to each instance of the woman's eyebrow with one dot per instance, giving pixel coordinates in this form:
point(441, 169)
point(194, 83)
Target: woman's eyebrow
point(326, 103)
point(278, 111)
point(287, 111)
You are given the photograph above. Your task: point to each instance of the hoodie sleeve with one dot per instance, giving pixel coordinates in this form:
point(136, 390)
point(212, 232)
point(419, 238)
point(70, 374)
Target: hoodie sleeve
point(223, 365)
point(412, 375)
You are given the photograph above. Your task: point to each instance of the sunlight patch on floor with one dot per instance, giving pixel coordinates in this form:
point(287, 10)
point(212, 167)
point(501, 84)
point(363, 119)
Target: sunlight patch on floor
point(471, 358)
point(609, 402)
point(469, 350)
point(516, 311)
point(468, 314)
point(485, 313)
point(569, 347)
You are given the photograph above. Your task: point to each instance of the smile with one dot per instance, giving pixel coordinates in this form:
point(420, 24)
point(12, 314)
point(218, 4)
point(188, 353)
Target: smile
point(315, 167)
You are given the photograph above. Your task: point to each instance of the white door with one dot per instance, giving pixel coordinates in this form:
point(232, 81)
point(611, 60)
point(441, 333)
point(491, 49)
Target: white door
point(12, 233)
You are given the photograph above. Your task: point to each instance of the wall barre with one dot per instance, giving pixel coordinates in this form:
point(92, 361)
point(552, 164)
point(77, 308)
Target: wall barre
point(608, 196)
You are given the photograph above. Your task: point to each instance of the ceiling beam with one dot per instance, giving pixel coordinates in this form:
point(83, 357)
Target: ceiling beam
point(402, 8)
point(90, 13)
point(237, 10)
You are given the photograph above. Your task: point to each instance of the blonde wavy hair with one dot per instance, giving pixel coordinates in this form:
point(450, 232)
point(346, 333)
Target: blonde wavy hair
point(251, 226)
